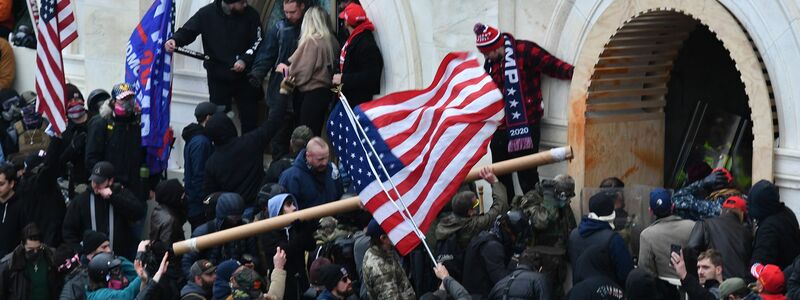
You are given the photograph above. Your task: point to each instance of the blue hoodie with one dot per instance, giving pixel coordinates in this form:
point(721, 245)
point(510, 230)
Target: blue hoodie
point(276, 203)
point(620, 255)
point(309, 187)
point(224, 271)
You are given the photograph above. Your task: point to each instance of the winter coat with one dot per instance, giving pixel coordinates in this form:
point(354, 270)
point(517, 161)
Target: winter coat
point(307, 186)
point(777, 239)
point(192, 291)
point(226, 39)
point(598, 233)
point(596, 288)
point(363, 66)
point(485, 263)
point(75, 138)
point(276, 168)
point(522, 283)
point(129, 292)
point(730, 237)
point(12, 219)
point(222, 287)
point(792, 278)
point(312, 64)
point(279, 43)
point(468, 227)
point(127, 210)
point(327, 295)
point(166, 225)
point(237, 164)
point(42, 196)
point(295, 240)
point(196, 152)
point(14, 283)
point(697, 291)
point(643, 284)
point(655, 241)
point(452, 290)
point(384, 277)
point(124, 152)
point(228, 204)
point(693, 202)
point(97, 132)
point(75, 285)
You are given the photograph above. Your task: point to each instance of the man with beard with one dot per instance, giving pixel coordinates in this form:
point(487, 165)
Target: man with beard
point(107, 207)
point(231, 34)
point(29, 272)
point(201, 280)
point(338, 284)
point(311, 179)
point(229, 210)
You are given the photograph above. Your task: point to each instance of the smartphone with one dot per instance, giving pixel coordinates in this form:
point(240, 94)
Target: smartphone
point(675, 248)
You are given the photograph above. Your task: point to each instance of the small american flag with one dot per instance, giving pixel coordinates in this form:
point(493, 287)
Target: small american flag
point(428, 140)
point(56, 30)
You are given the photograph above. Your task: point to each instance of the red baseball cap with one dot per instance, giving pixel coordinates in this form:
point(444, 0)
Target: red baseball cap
point(770, 276)
point(353, 14)
point(735, 202)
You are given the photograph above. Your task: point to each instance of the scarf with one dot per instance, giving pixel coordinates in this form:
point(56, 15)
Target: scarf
point(519, 136)
point(364, 26)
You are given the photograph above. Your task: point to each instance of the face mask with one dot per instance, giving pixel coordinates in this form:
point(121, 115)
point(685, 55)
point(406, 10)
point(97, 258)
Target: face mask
point(115, 280)
point(230, 223)
point(32, 255)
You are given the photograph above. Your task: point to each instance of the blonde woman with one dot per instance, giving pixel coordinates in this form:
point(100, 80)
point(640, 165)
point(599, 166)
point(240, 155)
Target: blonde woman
point(311, 69)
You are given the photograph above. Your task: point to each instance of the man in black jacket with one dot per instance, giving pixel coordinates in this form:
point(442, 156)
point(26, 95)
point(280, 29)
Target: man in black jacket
point(39, 190)
point(728, 235)
point(231, 34)
point(524, 282)
point(107, 207)
point(360, 61)
point(12, 210)
point(273, 55)
point(709, 274)
point(196, 151)
point(777, 239)
point(489, 253)
point(29, 271)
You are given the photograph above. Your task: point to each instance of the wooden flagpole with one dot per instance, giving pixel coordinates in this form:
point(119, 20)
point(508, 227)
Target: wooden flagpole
point(244, 231)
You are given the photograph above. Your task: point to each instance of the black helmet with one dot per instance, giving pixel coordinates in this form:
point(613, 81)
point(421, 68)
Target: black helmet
point(513, 229)
point(101, 266)
point(95, 98)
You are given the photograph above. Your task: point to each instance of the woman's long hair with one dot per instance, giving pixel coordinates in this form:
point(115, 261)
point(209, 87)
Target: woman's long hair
point(316, 25)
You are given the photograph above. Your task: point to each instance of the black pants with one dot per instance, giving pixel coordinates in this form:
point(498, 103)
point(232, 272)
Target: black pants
point(311, 108)
point(527, 178)
point(222, 92)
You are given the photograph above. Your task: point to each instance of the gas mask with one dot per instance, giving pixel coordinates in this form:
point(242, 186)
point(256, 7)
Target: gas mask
point(32, 255)
point(11, 111)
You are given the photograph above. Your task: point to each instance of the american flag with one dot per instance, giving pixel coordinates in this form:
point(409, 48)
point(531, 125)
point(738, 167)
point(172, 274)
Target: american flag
point(428, 140)
point(56, 30)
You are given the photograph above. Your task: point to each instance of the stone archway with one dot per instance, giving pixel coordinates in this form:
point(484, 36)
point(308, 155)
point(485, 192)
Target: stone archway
point(627, 56)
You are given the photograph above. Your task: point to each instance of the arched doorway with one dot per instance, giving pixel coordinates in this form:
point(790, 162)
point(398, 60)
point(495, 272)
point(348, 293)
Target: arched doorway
point(623, 94)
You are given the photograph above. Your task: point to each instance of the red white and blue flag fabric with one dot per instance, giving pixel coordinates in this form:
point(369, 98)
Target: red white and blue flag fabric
point(56, 28)
point(428, 140)
point(148, 67)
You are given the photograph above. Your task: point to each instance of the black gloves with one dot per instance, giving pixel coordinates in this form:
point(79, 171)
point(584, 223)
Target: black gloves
point(715, 180)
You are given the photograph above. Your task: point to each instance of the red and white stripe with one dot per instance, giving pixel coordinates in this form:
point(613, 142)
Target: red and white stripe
point(53, 36)
point(439, 134)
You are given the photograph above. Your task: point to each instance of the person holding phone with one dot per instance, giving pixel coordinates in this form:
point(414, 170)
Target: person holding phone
point(668, 230)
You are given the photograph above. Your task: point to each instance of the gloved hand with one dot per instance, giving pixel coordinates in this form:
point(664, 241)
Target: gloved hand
point(714, 180)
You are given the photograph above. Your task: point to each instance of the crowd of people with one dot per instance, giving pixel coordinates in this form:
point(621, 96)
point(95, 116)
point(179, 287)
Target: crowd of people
point(74, 209)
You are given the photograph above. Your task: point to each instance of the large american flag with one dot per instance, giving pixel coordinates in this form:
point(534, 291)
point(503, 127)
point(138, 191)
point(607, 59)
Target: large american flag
point(56, 30)
point(428, 140)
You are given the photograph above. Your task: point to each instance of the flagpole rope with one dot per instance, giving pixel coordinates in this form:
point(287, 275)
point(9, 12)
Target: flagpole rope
point(357, 126)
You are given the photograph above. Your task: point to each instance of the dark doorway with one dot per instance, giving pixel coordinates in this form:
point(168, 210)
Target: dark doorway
point(707, 114)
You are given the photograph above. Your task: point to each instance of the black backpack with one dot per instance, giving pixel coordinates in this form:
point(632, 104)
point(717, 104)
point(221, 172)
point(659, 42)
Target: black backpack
point(451, 255)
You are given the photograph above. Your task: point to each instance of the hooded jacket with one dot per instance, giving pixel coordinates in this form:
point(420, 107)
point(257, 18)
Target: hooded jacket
point(228, 204)
point(166, 222)
point(468, 227)
point(644, 285)
point(222, 287)
point(75, 152)
point(522, 283)
point(127, 210)
point(310, 188)
point(485, 263)
point(280, 42)
point(592, 232)
point(777, 238)
point(294, 240)
point(363, 65)
point(192, 291)
point(41, 195)
point(226, 38)
point(12, 219)
point(597, 277)
point(237, 164)
point(197, 150)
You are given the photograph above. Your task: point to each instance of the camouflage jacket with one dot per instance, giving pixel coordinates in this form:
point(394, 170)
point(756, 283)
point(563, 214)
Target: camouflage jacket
point(551, 224)
point(692, 203)
point(384, 277)
point(466, 228)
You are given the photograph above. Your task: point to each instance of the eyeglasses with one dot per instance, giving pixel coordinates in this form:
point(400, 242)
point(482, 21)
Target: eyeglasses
point(345, 278)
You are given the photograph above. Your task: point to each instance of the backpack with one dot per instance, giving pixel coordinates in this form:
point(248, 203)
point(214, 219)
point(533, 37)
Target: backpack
point(451, 255)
